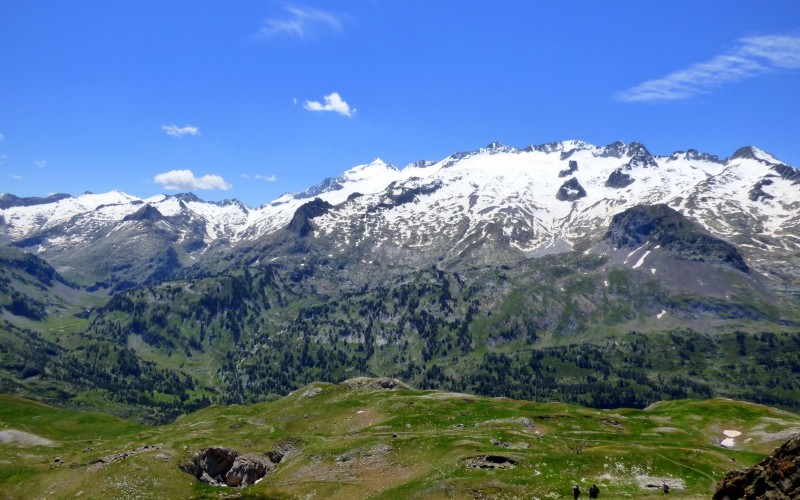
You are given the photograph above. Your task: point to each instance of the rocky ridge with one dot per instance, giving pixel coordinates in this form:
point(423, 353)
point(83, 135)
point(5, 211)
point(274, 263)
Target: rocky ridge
point(497, 204)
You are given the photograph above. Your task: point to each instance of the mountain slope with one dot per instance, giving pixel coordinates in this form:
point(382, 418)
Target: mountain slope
point(604, 276)
point(495, 204)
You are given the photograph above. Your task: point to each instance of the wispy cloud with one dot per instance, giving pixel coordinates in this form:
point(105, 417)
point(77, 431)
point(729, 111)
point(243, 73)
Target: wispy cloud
point(752, 57)
point(185, 180)
point(2, 137)
point(16, 177)
point(300, 22)
point(333, 102)
point(40, 163)
point(3, 159)
point(176, 131)
point(265, 178)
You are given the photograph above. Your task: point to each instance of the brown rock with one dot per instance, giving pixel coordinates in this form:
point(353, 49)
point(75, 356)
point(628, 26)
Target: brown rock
point(775, 477)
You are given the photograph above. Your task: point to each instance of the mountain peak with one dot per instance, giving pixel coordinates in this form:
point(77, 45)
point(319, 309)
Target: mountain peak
point(420, 164)
point(374, 168)
point(146, 213)
point(753, 153)
point(8, 200)
point(660, 226)
point(186, 197)
point(615, 149)
point(497, 147)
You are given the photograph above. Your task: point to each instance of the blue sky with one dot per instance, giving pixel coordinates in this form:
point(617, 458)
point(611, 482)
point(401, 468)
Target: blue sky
point(251, 99)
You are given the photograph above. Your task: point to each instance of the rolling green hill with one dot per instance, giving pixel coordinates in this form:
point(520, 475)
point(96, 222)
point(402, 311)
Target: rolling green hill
point(374, 437)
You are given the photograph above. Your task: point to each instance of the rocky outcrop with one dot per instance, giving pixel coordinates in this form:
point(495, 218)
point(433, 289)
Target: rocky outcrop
point(9, 200)
point(491, 462)
point(757, 191)
point(220, 466)
point(573, 167)
point(619, 179)
point(146, 213)
point(400, 195)
point(640, 157)
point(660, 226)
point(376, 384)
point(301, 221)
point(211, 465)
point(788, 173)
point(775, 477)
point(247, 470)
point(571, 190)
point(99, 463)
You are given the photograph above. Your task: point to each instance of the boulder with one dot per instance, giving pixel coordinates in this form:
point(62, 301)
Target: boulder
point(775, 477)
point(247, 470)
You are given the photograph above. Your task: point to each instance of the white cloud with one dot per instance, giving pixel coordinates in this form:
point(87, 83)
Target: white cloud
point(176, 131)
point(185, 180)
point(754, 56)
point(2, 137)
point(40, 163)
point(301, 22)
point(333, 102)
point(16, 177)
point(265, 178)
point(3, 159)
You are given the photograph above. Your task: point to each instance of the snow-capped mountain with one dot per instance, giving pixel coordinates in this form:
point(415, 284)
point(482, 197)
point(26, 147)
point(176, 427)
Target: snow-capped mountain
point(485, 206)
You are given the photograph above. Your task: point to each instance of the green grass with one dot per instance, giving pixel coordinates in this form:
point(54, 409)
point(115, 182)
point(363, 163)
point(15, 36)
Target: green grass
point(428, 438)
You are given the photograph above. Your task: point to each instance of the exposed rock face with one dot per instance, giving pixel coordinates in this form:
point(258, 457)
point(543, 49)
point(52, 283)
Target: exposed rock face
point(573, 167)
point(147, 212)
point(775, 477)
point(640, 156)
point(788, 173)
point(400, 196)
point(211, 465)
point(280, 453)
point(301, 221)
point(661, 226)
point(571, 190)
point(247, 470)
point(757, 192)
point(221, 466)
point(619, 179)
point(9, 200)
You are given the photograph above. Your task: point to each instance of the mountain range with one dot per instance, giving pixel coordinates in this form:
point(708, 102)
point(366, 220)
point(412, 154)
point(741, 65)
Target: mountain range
point(600, 275)
point(494, 205)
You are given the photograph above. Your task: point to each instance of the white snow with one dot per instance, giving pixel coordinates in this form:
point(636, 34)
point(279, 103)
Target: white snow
point(641, 260)
point(513, 190)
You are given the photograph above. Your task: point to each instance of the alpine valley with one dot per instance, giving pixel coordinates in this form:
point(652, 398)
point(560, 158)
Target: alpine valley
point(606, 277)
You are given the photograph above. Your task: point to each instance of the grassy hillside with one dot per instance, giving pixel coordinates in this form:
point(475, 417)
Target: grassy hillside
point(572, 328)
point(356, 439)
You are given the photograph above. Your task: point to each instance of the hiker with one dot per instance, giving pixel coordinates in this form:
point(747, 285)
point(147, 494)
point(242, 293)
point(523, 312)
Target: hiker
point(576, 492)
point(665, 488)
point(594, 491)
